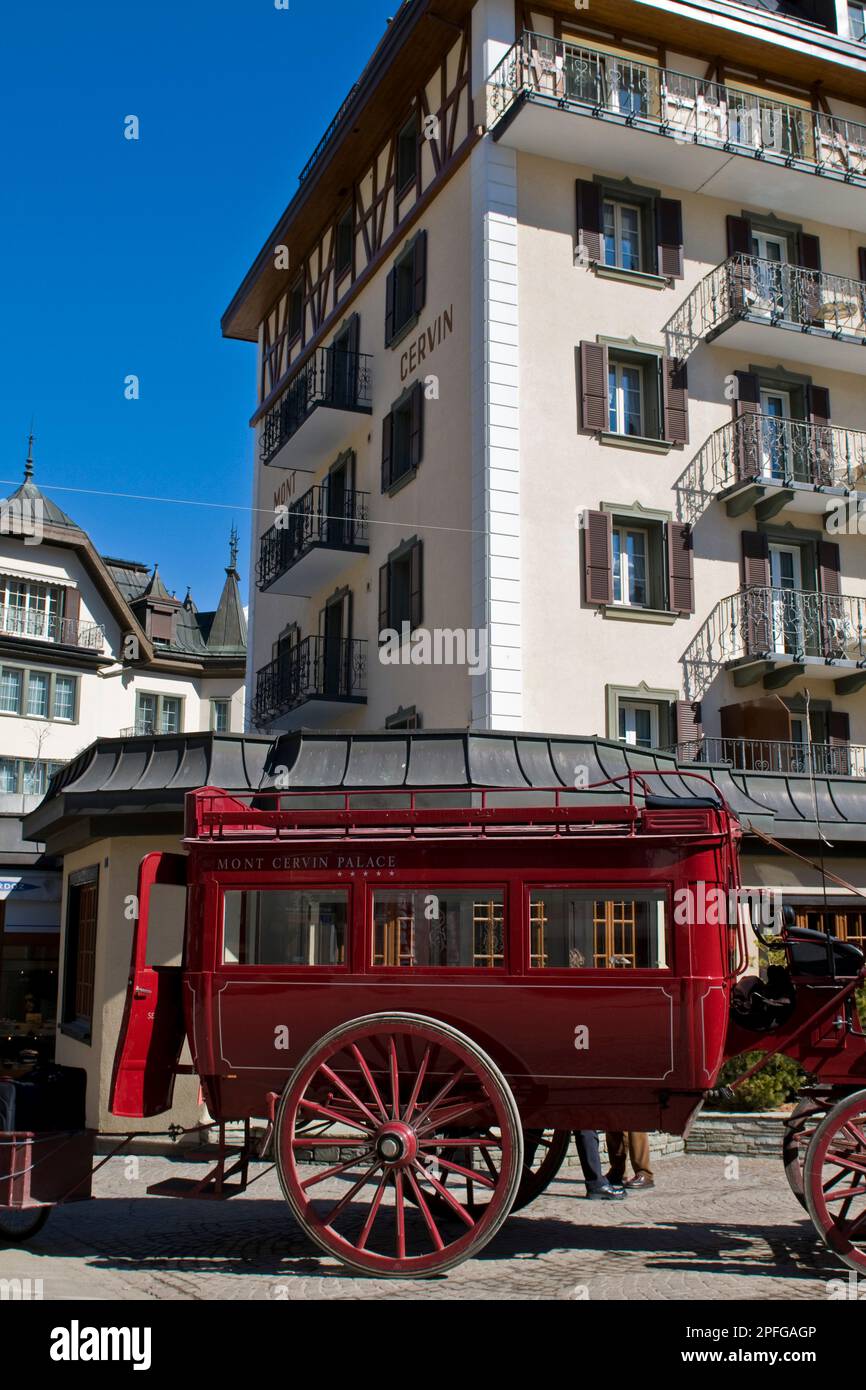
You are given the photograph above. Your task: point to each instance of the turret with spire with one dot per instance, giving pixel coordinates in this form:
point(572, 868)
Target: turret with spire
point(228, 631)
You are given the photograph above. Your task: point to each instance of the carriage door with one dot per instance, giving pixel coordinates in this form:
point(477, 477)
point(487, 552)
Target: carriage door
point(152, 1032)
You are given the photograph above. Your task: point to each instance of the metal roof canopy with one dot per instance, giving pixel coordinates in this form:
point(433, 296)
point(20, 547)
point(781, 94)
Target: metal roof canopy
point(142, 781)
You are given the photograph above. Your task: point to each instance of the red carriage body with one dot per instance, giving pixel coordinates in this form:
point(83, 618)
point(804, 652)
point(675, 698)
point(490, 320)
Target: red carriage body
point(423, 992)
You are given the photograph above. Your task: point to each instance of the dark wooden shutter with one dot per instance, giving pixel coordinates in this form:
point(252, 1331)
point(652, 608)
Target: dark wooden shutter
point(593, 388)
point(675, 395)
point(809, 251)
point(689, 731)
point(420, 272)
point(416, 603)
point(748, 402)
point(71, 616)
point(839, 727)
point(861, 261)
point(598, 557)
point(830, 568)
point(681, 570)
point(669, 233)
point(416, 425)
point(819, 405)
point(739, 236)
point(590, 219)
point(387, 449)
point(755, 608)
point(390, 306)
point(748, 398)
point(384, 598)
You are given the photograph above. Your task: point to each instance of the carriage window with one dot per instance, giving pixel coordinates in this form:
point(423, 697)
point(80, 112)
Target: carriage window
point(581, 930)
point(436, 928)
point(285, 927)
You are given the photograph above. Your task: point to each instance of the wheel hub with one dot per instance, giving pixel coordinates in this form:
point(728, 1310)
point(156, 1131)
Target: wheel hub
point(396, 1144)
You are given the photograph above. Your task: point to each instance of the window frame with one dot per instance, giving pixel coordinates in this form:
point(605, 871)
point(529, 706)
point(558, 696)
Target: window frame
point(223, 700)
point(620, 205)
point(565, 884)
point(407, 719)
point(159, 696)
point(341, 270)
point(619, 366)
point(432, 885)
point(402, 140)
point(78, 1026)
point(301, 883)
point(25, 673)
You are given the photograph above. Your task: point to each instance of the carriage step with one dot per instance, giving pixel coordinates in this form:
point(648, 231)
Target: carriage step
point(209, 1153)
point(193, 1188)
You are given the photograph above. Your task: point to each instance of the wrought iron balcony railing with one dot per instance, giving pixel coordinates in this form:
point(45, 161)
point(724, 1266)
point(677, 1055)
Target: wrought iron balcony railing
point(49, 627)
point(317, 518)
point(777, 625)
point(331, 378)
point(773, 292)
point(775, 450)
point(317, 668)
point(770, 755)
point(686, 108)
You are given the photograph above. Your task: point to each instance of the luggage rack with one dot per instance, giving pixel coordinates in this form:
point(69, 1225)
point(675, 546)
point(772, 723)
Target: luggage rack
point(213, 814)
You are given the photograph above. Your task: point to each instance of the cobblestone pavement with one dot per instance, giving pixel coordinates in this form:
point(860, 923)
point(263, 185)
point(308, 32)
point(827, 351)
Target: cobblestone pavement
point(699, 1235)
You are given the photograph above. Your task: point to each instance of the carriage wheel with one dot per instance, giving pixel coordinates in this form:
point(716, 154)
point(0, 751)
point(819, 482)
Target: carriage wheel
point(393, 1084)
point(800, 1129)
point(17, 1226)
point(836, 1180)
point(544, 1152)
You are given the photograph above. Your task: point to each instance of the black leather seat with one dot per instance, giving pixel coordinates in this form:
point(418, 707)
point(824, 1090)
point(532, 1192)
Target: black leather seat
point(809, 955)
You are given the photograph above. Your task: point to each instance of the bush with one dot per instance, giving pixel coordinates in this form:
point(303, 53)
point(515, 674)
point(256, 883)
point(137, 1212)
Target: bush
point(778, 1082)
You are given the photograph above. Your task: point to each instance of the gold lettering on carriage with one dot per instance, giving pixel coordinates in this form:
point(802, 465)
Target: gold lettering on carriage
point(298, 863)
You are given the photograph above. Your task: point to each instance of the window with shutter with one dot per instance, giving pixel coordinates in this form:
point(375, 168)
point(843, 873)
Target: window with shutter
point(756, 615)
point(401, 588)
point(406, 289)
point(403, 438)
point(861, 261)
point(739, 231)
point(689, 729)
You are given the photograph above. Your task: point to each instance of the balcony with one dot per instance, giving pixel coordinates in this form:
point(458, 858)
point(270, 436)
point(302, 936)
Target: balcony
point(769, 307)
point(774, 635)
point(770, 755)
point(772, 464)
point(320, 675)
point(678, 130)
point(49, 627)
point(309, 420)
point(308, 547)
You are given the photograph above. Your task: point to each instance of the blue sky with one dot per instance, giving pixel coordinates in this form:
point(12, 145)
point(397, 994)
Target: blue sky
point(119, 257)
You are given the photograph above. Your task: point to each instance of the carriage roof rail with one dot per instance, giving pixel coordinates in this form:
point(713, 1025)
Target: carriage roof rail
point(608, 808)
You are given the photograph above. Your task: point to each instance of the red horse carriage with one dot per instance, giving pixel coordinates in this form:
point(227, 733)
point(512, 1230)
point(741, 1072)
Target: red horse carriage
point(422, 993)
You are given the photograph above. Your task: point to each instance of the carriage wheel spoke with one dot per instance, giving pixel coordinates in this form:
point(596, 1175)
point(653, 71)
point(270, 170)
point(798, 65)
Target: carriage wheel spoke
point(848, 1163)
point(419, 1081)
point(437, 1240)
point(447, 1117)
point(395, 1079)
point(349, 1094)
point(368, 1077)
point(337, 1168)
point(327, 1141)
point(445, 1194)
point(356, 1188)
point(853, 1128)
point(374, 1211)
point(446, 1089)
point(330, 1114)
point(400, 1211)
point(469, 1173)
point(459, 1144)
point(846, 1194)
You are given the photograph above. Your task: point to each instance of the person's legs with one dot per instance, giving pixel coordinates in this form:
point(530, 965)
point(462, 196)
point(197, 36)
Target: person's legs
point(616, 1153)
point(639, 1153)
point(597, 1185)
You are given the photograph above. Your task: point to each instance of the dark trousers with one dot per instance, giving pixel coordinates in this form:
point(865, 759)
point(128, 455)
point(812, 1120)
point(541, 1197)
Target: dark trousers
point(586, 1142)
